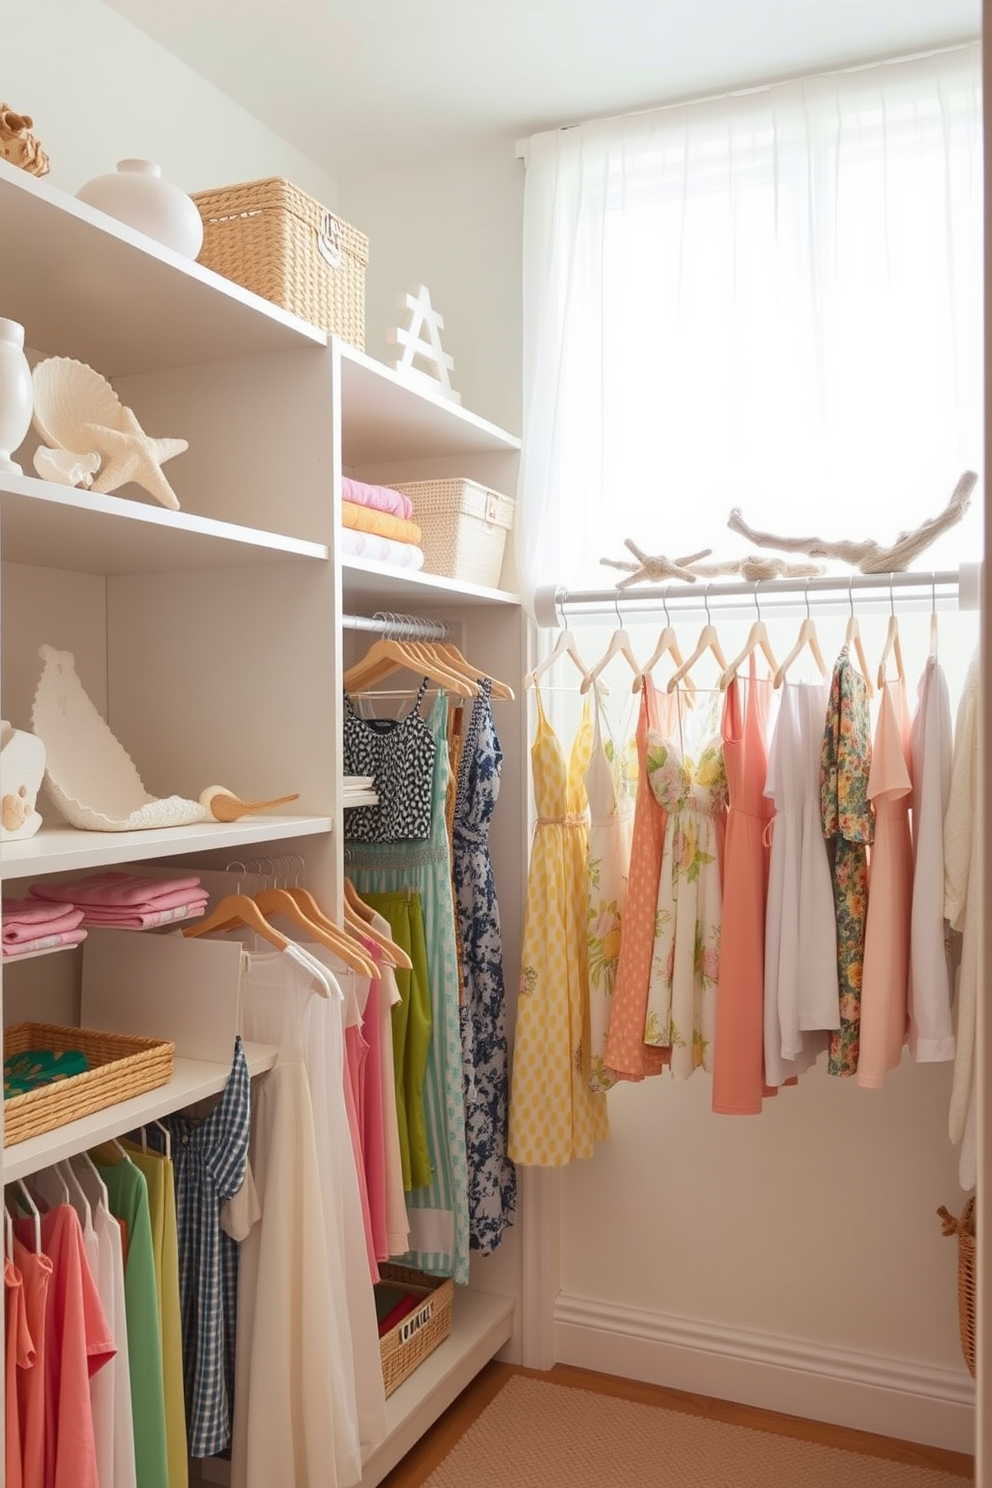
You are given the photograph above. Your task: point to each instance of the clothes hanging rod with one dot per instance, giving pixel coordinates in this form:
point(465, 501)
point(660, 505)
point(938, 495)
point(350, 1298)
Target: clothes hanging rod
point(399, 627)
point(826, 593)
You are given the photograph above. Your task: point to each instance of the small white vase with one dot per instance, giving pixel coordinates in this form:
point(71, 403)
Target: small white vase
point(137, 193)
point(16, 397)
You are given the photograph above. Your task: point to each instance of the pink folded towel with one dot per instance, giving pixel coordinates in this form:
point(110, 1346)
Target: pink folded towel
point(382, 498)
point(123, 889)
point(24, 922)
point(43, 943)
point(144, 919)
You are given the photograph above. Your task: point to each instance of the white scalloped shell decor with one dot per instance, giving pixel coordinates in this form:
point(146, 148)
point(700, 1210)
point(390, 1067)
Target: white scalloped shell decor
point(89, 775)
point(69, 394)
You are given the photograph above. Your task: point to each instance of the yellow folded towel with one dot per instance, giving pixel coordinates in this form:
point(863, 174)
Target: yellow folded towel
point(367, 519)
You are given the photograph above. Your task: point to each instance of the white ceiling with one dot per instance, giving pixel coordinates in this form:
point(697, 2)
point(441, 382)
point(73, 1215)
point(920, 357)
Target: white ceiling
point(366, 85)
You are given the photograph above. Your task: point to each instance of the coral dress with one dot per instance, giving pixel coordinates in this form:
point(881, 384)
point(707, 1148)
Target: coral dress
point(685, 969)
point(628, 1057)
point(738, 1059)
point(884, 986)
point(554, 1116)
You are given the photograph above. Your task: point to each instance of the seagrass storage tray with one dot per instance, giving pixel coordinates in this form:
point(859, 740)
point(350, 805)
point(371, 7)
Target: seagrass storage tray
point(120, 1065)
point(420, 1332)
point(274, 239)
point(464, 527)
point(964, 1229)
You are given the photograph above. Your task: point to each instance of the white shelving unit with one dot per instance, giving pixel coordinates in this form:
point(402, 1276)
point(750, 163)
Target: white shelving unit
point(210, 638)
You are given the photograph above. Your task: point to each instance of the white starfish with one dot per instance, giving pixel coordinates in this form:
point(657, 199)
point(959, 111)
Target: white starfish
point(133, 455)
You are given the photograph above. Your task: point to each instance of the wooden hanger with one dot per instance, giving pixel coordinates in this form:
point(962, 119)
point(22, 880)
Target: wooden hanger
point(852, 637)
point(237, 909)
point(333, 937)
point(757, 640)
point(892, 645)
point(313, 911)
point(619, 646)
point(450, 652)
point(708, 641)
point(362, 914)
point(388, 655)
point(807, 637)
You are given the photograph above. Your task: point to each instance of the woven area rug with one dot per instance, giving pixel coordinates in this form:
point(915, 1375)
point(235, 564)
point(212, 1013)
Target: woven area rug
point(555, 1436)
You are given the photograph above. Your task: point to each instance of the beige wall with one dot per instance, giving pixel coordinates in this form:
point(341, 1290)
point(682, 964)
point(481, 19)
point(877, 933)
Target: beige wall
point(98, 90)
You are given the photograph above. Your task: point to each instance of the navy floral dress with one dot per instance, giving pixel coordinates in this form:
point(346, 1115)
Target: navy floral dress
point(492, 1176)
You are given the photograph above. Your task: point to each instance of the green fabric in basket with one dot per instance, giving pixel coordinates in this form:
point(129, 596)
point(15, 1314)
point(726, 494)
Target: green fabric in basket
point(34, 1067)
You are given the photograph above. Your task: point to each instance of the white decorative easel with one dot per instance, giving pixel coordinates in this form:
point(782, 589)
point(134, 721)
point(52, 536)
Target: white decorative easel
point(421, 338)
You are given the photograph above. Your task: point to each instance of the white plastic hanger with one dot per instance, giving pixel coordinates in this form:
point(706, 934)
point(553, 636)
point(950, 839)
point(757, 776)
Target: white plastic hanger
point(8, 1234)
point(78, 1197)
point(933, 616)
point(708, 641)
point(32, 1208)
point(807, 637)
point(50, 1186)
point(852, 637)
point(757, 640)
point(166, 1139)
point(564, 646)
point(619, 646)
point(90, 1177)
point(892, 645)
point(667, 645)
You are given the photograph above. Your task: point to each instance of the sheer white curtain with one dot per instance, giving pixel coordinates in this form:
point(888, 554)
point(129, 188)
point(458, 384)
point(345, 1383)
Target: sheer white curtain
point(771, 301)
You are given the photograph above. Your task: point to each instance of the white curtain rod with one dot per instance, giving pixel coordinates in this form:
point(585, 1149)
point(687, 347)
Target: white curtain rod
point(959, 588)
point(399, 627)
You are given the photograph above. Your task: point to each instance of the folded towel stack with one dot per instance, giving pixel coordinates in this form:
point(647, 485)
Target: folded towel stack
point(377, 525)
point(29, 926)
point(126, 900)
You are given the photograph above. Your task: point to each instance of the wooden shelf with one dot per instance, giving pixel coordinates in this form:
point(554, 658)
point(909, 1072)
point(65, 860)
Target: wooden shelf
point(482, 1324)
point(365, 583)
point(59, 527)
point(192, 1080)
point(86, 286)
point(385, 418)
point(65, 849)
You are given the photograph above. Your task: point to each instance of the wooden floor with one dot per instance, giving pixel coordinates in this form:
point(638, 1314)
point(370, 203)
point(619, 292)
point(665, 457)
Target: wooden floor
point(432, 1448)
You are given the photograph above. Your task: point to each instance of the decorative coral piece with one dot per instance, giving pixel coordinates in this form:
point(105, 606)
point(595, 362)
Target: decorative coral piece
point(869, 556)
point(18, 144)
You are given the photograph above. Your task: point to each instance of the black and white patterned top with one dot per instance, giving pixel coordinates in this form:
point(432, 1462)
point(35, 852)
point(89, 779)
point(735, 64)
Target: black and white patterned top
point(399, 755)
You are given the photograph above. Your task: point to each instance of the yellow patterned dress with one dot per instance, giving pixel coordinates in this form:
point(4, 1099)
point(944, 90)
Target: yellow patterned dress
point(554, 1116)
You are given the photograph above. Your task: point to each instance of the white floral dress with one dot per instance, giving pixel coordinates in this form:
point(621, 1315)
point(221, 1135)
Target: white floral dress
point(610, 822)
point(685, 967)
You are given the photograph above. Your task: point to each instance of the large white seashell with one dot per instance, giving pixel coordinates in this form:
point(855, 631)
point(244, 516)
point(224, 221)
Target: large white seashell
point(89, 775)
point(69, 394)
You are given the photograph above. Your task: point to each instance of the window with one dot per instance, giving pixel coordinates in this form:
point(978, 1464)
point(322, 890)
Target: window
point(771, 301)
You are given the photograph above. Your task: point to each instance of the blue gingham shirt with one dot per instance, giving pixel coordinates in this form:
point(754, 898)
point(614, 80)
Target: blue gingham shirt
point(210, 1159)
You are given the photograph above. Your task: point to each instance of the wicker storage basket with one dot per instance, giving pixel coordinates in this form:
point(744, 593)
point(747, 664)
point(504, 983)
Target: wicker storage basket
point(121, 1065)
point(964, 1228)
point(270, 237)
point(420, 1332)
point(464, 528)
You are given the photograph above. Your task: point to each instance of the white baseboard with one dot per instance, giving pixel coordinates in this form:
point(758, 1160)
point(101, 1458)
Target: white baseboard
point(919, 1402)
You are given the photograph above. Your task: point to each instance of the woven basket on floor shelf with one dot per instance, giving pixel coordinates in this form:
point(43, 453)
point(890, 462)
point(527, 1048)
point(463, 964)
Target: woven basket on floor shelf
point(420, 1332)
point(120, 1065)
point(463, 526)
point(964, 1228)
point(277, 241)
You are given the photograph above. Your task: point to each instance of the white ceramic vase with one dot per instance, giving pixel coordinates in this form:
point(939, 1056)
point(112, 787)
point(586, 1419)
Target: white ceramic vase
point(16, 398)
point(137, 193)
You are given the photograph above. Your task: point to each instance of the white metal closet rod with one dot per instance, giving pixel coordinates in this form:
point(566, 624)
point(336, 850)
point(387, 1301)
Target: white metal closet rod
point(399, 627)
point(951, 588)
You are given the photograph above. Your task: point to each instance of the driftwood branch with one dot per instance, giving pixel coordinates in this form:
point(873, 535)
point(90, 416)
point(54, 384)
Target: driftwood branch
point(656, 569)
point(869, 556)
